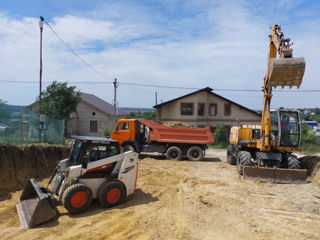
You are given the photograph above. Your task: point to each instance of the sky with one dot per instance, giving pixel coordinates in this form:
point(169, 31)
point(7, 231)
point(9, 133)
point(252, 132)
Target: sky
point(184, 44)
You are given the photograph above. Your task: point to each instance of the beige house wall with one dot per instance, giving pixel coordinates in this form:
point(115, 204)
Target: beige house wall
point(172, 112)
point(80, 124)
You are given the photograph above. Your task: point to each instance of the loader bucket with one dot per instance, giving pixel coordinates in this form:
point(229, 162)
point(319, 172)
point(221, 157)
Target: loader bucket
point(36, 205)
point(276, 175)
point(286, 72)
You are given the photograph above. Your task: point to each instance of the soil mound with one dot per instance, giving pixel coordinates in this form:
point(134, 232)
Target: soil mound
point(177, 124)
point(312, 164)
point(18, 163)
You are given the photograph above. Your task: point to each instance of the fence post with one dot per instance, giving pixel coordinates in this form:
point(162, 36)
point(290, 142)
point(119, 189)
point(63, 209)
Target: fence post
point(22, 130)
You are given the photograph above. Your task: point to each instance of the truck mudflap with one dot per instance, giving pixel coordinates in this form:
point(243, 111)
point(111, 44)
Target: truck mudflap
point(36, 205)
point(276, 175)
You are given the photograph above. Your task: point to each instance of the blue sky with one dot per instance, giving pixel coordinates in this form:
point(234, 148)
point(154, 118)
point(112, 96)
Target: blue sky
point(195, 44)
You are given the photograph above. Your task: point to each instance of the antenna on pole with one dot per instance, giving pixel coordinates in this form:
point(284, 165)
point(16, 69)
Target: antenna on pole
point(115, 84)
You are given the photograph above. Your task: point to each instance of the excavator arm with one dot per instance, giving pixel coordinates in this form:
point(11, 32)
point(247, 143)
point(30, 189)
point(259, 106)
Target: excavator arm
point(282, 71)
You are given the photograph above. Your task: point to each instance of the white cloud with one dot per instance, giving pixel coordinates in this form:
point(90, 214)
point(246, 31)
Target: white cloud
point(221, 45)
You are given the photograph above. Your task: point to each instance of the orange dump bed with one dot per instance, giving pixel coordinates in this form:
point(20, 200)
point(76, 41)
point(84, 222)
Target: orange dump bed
point(161, 133)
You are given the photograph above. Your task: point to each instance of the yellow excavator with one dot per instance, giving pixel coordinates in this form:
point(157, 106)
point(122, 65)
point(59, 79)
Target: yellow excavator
point(264, 152)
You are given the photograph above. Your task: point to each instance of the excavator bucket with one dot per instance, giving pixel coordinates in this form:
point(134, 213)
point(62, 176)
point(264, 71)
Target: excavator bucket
point(36, 205)
point(276, 175)
point(286, 72)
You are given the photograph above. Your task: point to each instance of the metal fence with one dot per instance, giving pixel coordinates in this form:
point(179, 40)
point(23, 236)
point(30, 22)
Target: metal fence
point(21, 125)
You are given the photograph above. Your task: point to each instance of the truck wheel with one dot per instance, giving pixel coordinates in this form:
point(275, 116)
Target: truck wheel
point(195, 153)
point(243, 159)
point(231, 156)
point(293, 162)
point(128, 147)
point(111, 193)
point(174, 153)
point(77, 198)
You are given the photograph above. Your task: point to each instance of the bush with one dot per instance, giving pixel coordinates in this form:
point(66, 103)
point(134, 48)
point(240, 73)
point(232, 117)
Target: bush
point(107, 132)
point(221, 137)
point(309, 141)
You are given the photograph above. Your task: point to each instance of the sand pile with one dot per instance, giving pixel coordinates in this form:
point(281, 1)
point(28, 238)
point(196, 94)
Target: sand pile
point(177, 124)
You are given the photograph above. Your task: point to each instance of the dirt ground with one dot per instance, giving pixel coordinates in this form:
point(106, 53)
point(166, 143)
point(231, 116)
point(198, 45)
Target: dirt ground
point(187, 200)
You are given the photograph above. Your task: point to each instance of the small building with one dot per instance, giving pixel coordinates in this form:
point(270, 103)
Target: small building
point(93, 116)
point(205, 108)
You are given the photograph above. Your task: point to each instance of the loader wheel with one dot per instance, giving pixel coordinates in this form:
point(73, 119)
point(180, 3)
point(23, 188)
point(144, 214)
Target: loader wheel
point(195, 153)
point(293, 162)
point(111, 193)
point(231, 156)
point(174, 153)
point(243, 159)
point(128, 147)
point(77, 198)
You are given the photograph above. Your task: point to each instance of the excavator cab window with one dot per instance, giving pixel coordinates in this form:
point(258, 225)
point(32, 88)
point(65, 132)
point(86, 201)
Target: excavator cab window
point(290, 129)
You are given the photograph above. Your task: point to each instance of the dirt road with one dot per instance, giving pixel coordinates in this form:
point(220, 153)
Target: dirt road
point(187, 200)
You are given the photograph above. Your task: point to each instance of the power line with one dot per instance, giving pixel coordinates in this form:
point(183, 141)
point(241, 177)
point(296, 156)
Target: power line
point(75, 54)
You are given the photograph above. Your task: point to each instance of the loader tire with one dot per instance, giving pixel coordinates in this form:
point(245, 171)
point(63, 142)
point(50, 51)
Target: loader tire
point(77, 198)
point(111, 193)
point(174, 153)
point(128, 147)
point(231, 156)
point(293, 162)
point(243, 159)
point(195, 153)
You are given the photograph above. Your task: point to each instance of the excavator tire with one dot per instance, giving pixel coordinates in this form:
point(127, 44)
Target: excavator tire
point(293, 162)
point(231, 156)
point(243, 159)
point(77, 198)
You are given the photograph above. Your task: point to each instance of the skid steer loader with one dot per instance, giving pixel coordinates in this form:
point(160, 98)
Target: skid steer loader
point(95, 169)
point(264, 152)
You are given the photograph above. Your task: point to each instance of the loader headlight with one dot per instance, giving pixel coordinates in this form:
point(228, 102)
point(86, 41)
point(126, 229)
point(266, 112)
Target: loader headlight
point(66, 172)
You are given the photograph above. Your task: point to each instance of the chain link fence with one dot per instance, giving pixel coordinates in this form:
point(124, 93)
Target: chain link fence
point(21, 125)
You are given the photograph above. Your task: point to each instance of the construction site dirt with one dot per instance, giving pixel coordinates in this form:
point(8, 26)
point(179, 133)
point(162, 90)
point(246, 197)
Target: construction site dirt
point(187, 200)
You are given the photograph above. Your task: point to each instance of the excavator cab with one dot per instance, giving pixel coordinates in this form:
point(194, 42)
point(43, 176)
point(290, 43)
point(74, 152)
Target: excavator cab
point(286, 128)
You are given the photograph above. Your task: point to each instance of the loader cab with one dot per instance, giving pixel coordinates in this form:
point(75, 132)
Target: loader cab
point(89, 149)
point(286, 127)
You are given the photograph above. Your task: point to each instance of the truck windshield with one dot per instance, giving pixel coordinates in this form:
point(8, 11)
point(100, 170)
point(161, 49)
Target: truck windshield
point(74, 155)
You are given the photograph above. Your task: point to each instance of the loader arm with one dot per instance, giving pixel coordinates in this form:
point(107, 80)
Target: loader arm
point(282, 71)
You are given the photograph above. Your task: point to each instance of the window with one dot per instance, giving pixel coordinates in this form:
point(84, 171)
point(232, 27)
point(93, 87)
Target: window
point(186, 108)
point(200, 109)
point(123, 126)
point(227, 109)
point(213, 109)
point(93, 126)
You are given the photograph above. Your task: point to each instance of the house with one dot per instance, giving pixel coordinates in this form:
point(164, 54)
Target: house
point(205, 108)
point(92, 117)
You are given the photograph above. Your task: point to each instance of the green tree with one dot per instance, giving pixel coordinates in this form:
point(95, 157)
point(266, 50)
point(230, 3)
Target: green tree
point(59, 100)
point(148, 115)
point(3, 113)
point(221, 136)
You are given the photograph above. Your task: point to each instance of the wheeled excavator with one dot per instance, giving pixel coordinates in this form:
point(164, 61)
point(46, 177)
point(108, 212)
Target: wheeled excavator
point(264, 152)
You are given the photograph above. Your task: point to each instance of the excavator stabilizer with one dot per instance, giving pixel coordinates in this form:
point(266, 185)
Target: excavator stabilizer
point(36, 205)
point(286, 72)
point(276, 175)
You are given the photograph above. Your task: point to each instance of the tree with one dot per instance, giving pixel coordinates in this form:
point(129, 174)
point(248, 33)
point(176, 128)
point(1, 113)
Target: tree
point(3, 113)
point(59, 100)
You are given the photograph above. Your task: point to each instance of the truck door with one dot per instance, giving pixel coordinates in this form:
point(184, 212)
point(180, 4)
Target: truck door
point(122, 132)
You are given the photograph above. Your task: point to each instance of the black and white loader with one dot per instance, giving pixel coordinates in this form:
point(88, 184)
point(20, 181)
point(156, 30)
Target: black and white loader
point(95, 169)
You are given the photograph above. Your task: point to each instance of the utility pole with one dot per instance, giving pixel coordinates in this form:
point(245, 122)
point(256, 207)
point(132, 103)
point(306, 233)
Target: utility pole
point(115, 84)
point(40, 118)
point(156, 98)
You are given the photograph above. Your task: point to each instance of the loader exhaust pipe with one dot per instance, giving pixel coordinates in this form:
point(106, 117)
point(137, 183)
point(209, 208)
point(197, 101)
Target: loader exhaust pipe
point(36, 205)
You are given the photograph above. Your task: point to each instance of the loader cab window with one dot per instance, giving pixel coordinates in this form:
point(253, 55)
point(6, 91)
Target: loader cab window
point(96, 152)
point(75, 152)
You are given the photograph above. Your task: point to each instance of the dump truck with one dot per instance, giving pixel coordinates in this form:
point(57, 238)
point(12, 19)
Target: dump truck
point(264, 152)
point(144, 135)
point(95, 169)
